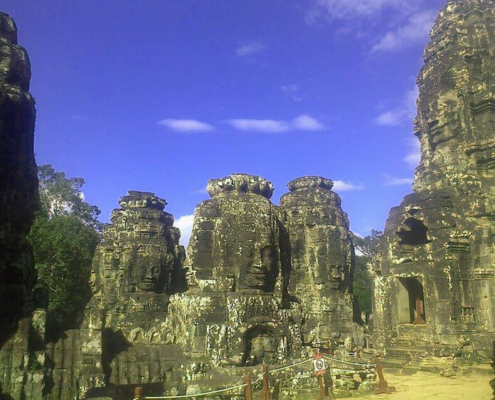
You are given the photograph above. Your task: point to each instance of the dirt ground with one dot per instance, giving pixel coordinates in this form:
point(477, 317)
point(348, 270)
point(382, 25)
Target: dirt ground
point(425, 385)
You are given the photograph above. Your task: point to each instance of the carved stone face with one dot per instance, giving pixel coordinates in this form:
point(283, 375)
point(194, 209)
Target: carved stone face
point(142, 270)
point(148, 272)
point(443, 119)
point(258, 262)
point(151, 278)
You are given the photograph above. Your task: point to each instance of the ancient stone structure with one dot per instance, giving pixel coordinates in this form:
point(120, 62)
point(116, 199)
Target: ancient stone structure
point(238, 263)
point(261, 284)
point(124, 338)
point(265, 281)
point(434, 281)
point(20, 364)
point(322, 259)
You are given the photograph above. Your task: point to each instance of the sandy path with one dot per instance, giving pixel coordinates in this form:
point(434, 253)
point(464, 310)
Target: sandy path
point(424, 385)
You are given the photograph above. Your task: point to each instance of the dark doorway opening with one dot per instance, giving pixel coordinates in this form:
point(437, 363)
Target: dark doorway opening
point(411, 301)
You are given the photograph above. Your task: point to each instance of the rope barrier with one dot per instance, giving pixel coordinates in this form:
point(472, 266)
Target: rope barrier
point(353, 371)
point(260, 377)
point(184, 396)
point(349, 362)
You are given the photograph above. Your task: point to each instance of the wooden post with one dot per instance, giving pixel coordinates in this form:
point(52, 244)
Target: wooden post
point(382, 383)
point(323, 391)
point(266, 389)
point(138, 393)
point(248, 394)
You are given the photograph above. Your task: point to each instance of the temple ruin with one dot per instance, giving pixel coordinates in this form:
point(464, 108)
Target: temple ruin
point(262, 283)
point(434, 279)
point(20, 329)
point(173, 325)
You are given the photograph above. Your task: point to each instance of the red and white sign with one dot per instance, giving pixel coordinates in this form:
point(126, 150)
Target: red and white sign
point(319, 364)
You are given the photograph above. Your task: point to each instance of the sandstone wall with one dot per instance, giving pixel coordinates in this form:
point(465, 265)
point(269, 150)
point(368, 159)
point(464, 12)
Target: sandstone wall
point(438, 244)
point(19, 364)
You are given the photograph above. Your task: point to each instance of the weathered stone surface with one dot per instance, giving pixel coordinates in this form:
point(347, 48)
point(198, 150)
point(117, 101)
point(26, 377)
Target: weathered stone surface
point(266, 283)
point(236, 243)
point(124, 338)
point(240, 308)
point(20, 364)
point(18, 176)
point(238, 275)
point(438, 244)
point(322, 259)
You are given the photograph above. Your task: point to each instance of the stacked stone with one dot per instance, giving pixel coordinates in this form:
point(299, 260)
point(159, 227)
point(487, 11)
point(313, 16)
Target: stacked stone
point(265, 284)
point(238, 276)
point(20, 364)
point(322, 259)
point(434, 284)
point(124, 338)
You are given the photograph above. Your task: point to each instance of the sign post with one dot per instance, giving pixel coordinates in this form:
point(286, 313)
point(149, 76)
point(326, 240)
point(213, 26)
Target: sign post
point(320, 371)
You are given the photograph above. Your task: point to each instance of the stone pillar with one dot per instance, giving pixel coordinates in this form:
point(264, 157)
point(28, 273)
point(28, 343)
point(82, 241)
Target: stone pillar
point(441, 236)
point(322, 258)
point(136, 267)
point(20, 366)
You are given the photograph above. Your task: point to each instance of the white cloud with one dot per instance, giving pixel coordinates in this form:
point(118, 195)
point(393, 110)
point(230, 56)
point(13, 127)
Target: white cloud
point(392, 181)
point(400, 115)
point(303, 122)
point(415, 31)
point(259, 125)
point(185, 224)
point(349, 9)
point(391, 118)
point(186, 125)
point(250, 48)
point(291, 90)
point(414, 155)
point(341, 186)
point(306, 123)
point(407, 22)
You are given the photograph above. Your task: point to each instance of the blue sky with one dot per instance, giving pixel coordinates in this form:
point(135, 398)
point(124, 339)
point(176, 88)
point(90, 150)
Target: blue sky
point(163, 95)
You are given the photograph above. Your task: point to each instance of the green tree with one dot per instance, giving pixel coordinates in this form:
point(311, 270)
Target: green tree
point(63, 196)
point(368, 247)
point(64, 237)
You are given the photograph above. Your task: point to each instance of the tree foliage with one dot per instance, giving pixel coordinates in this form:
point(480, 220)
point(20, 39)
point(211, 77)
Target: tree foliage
point(63, 196)
point(368, 247)
point(64, 238)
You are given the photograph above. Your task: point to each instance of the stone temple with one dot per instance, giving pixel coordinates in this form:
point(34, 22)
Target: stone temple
point(264, 283)
point(20, 328)
point(434, 282)
point(261, 284)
